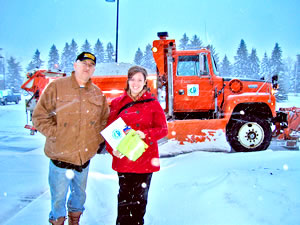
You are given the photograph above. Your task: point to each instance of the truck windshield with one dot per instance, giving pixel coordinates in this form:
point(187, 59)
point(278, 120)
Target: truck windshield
point(188, 65)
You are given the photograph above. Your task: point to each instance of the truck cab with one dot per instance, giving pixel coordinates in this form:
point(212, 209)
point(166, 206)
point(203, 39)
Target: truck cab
point(189, 78)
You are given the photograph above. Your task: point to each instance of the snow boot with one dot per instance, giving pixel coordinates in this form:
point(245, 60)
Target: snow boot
point(73, 218)
point(59, 221)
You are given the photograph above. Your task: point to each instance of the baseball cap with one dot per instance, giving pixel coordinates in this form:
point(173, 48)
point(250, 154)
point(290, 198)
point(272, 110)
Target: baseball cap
point(86, 55)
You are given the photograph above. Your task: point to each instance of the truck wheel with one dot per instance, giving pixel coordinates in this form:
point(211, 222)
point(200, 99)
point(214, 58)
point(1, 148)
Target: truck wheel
point(252, 134)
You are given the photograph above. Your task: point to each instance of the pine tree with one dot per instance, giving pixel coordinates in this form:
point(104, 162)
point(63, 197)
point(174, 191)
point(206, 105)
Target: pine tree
point(86, 47)
point(148, 60)
point(73, 52)
point(241, 61)
point(265, 70)
point(225, 68)
point(138, 58)
point(64, 58)
point(14, 79)
point(213, 53)
point(276, 60)
point(195, 43)
point(99, 51)
point(288, 68)
point(283, 83)
point(110, 52)
point(184, 42)
point(53, 62)
point(277, 68)
point(36, 62)
point(254, 65)
point(297, 75)
point(66, 63)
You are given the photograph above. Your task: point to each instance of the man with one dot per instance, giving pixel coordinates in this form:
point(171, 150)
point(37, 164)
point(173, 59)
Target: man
point(71, 113)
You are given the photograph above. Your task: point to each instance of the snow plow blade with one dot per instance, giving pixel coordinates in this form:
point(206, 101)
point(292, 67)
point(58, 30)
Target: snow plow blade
point(291, 131)
point(288, 133)
point(194, 131)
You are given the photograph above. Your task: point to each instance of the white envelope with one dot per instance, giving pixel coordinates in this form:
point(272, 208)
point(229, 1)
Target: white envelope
point(114, 133)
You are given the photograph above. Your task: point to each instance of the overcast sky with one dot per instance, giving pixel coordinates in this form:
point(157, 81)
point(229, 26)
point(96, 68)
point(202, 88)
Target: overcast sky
point(27, 25)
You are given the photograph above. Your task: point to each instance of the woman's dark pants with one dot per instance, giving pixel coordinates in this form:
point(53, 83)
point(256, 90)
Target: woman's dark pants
point(132, 197)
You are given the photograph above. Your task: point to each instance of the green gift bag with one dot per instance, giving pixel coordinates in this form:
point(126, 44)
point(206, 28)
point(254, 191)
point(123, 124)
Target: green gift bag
point(132, 146)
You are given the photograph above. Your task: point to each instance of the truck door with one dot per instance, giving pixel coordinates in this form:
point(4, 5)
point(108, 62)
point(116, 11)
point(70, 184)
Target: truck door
point(192, 84)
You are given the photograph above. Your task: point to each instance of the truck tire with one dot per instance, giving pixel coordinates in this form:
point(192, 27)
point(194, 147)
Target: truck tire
point(250, 134)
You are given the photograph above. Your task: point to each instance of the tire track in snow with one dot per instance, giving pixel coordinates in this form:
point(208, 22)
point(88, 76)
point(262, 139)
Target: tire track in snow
point(205, 186)
point(31, 200)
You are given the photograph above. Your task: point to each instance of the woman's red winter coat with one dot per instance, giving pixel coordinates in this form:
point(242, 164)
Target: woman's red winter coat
point(147, 117)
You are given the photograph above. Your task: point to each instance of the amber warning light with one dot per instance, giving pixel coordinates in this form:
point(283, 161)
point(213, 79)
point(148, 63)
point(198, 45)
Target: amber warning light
point(154, 49)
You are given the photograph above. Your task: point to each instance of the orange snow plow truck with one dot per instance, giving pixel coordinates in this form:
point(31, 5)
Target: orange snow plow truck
point(198, 103)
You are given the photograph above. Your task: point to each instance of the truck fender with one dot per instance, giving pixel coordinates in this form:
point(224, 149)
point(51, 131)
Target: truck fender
point(232, 101)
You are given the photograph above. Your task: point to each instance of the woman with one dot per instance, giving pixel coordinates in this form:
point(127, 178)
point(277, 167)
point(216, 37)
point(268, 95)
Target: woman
point(147, 118)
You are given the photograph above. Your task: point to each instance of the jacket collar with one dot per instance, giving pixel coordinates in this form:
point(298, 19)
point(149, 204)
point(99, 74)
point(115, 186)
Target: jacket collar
point(76, 85)
point(145, 95)
point(138, 96)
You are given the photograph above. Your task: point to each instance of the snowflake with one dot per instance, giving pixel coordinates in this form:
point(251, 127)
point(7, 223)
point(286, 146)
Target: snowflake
point(70, 174)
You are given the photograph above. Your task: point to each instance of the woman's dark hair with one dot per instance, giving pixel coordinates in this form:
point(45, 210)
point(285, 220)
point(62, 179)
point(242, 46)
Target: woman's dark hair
point(132, 71)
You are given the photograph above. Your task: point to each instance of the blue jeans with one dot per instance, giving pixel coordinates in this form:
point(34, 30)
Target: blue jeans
point(59, 186)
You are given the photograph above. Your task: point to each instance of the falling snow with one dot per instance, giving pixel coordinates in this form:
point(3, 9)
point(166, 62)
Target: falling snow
point(155, 162)
point(70, 174)
point(199, 187)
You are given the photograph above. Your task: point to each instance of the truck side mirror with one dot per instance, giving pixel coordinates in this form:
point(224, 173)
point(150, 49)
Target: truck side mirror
point(275, 81)
point(202, 64)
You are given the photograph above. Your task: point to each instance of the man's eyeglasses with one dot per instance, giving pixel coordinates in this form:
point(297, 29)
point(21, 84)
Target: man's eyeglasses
point(90, 65)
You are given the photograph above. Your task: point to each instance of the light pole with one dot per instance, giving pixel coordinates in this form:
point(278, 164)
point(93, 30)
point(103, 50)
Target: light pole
point(2, 69)
point(117, 27)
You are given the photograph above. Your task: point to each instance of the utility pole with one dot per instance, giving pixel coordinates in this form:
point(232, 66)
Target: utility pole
point(117, 28)
point(297, 74)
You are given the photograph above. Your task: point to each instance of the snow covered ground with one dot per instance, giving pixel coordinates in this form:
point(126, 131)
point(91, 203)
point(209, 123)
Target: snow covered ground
point(196, 188)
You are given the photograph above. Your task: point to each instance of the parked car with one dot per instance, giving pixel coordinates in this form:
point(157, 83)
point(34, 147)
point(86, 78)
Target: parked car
point(9, 96)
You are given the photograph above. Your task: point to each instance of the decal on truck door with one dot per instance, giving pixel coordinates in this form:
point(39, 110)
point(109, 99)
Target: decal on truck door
point(193, 90)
